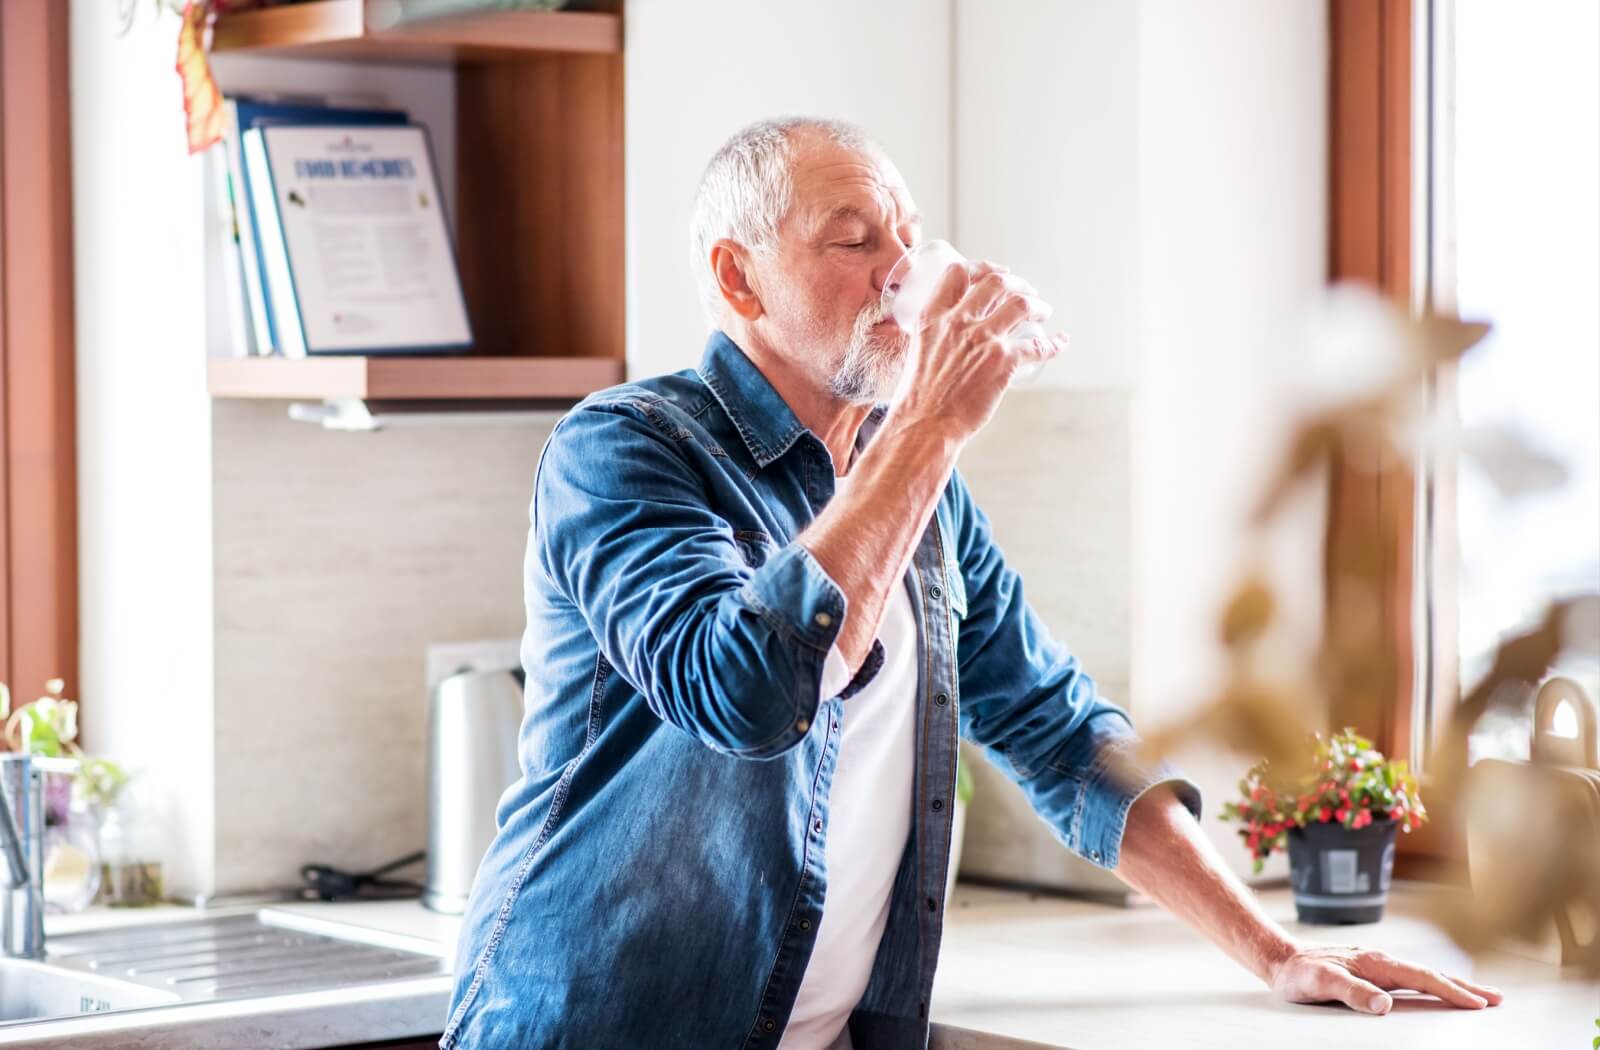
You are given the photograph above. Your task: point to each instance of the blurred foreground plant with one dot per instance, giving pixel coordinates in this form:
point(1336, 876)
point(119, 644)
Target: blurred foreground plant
point(1268, 704)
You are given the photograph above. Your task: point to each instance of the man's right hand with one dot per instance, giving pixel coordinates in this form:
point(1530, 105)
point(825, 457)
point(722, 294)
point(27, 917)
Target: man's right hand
point(959, 363)
point(957, 368)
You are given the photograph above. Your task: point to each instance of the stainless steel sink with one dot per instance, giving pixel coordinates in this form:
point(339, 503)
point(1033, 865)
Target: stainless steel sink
point(33, 991)
point(194, 960)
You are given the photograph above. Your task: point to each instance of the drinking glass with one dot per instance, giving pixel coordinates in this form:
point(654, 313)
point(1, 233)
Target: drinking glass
point(912, 282)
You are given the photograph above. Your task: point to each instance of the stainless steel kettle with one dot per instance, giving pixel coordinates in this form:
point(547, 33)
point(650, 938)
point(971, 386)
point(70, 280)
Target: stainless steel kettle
point(473, 720)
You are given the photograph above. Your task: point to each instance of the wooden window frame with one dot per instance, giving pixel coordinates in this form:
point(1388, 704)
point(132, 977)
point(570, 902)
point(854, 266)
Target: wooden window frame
point(38, 476)
point(1377, 192)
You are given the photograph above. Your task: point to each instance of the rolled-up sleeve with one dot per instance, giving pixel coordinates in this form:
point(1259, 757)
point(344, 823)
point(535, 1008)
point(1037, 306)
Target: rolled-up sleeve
point(1037, 715)
point(730, 652)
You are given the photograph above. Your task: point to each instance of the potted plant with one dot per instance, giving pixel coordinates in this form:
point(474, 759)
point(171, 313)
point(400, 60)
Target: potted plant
point(1338, 820)
point(75, 802)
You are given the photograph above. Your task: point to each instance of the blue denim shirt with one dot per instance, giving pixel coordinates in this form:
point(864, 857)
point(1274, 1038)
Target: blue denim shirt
point(657, 878)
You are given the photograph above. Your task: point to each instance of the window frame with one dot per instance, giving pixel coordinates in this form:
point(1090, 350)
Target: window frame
point(1385, 143)
point(38, 475)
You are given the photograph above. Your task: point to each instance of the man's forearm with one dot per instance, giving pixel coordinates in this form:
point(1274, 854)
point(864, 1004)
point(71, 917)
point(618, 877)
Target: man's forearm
point(1167, 857)
point(865, 536)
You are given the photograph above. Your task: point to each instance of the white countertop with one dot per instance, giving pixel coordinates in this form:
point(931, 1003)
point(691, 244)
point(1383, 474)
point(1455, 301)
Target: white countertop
point(1091, 977)
point(1056, 972)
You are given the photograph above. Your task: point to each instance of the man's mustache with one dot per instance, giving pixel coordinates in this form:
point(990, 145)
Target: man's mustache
point(871, 314)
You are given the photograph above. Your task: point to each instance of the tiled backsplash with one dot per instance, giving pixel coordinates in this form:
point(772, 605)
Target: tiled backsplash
point(340, 557)
point(1052, 472)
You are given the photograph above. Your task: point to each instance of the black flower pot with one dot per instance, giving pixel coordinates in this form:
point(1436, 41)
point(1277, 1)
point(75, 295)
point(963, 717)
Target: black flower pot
point(1341, 875)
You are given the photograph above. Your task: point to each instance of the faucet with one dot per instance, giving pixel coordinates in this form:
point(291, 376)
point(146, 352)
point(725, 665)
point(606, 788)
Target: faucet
point(22, 843)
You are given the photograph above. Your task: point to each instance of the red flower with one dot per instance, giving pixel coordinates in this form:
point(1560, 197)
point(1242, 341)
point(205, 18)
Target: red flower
point(1327, 814)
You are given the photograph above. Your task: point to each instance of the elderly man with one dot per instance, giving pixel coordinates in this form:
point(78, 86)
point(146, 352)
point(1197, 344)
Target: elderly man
point(761, 606)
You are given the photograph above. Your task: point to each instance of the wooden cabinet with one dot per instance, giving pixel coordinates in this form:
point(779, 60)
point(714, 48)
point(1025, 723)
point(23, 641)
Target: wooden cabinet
point(538, 213)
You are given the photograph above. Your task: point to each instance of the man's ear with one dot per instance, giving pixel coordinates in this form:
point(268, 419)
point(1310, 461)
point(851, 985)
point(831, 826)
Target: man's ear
point(730, 266)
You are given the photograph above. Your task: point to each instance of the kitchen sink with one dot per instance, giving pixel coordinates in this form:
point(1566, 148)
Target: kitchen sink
point(195, 960)
point(33, 991)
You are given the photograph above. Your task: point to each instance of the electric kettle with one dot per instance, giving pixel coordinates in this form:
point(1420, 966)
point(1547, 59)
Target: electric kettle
point(473, 720)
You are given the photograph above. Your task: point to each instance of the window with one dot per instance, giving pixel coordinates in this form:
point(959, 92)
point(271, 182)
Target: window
point(1514, 198)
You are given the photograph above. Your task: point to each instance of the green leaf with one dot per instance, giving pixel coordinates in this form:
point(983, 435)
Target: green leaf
point(964, 781)
point(42, 738)
point(100, 780)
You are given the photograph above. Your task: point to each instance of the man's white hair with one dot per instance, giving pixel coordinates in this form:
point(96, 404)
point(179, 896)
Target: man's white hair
point(747, 189)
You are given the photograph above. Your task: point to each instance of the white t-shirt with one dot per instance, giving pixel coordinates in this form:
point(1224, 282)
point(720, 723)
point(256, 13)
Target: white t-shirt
point(869, 818)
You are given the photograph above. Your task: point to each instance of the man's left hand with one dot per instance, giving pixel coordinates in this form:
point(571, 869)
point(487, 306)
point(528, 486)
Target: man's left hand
point(1357, 977)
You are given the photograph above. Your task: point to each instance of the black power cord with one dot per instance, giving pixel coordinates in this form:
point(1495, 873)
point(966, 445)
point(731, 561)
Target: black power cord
point(329, 884)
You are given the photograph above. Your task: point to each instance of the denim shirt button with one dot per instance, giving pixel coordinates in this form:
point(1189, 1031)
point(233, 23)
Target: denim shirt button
point(805, 924)
point(817, 826)
point(803, 725)
point(942, 699)
point(768, 1024)
point(938, 804)
point(1094, 854)
point(936, 592)
point(823, 619)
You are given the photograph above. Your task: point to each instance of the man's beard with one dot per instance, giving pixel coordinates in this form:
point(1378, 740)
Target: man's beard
point(871, 363)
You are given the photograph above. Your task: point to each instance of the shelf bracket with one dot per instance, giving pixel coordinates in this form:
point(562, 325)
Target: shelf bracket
point(342, 413)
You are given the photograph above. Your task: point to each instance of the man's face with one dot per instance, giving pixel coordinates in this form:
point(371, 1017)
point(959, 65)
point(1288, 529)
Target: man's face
point(850, 220)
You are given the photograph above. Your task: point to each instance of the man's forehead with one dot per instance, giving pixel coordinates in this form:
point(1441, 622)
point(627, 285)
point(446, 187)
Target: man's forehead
point(835, 182)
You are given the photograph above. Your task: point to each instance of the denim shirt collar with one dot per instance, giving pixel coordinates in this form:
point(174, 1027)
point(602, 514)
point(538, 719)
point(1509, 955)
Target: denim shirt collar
point(763, 418)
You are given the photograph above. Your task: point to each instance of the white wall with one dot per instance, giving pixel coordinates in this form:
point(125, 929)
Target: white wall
point(1157, 170)
point(1046, 167)
point(1232, 246)
point(698, 71)
point(144, 457)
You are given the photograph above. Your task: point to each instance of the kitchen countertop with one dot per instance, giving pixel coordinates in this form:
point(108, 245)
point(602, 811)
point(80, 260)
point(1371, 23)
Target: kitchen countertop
point(1015, 971)
point(1090, 977)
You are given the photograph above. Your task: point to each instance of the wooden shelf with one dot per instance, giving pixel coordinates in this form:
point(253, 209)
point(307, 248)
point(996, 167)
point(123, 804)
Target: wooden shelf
point(539, 197)
point(349, 30)
point(411, 378)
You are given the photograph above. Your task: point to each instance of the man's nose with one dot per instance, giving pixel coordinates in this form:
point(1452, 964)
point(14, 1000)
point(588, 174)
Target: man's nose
point(884, 276)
